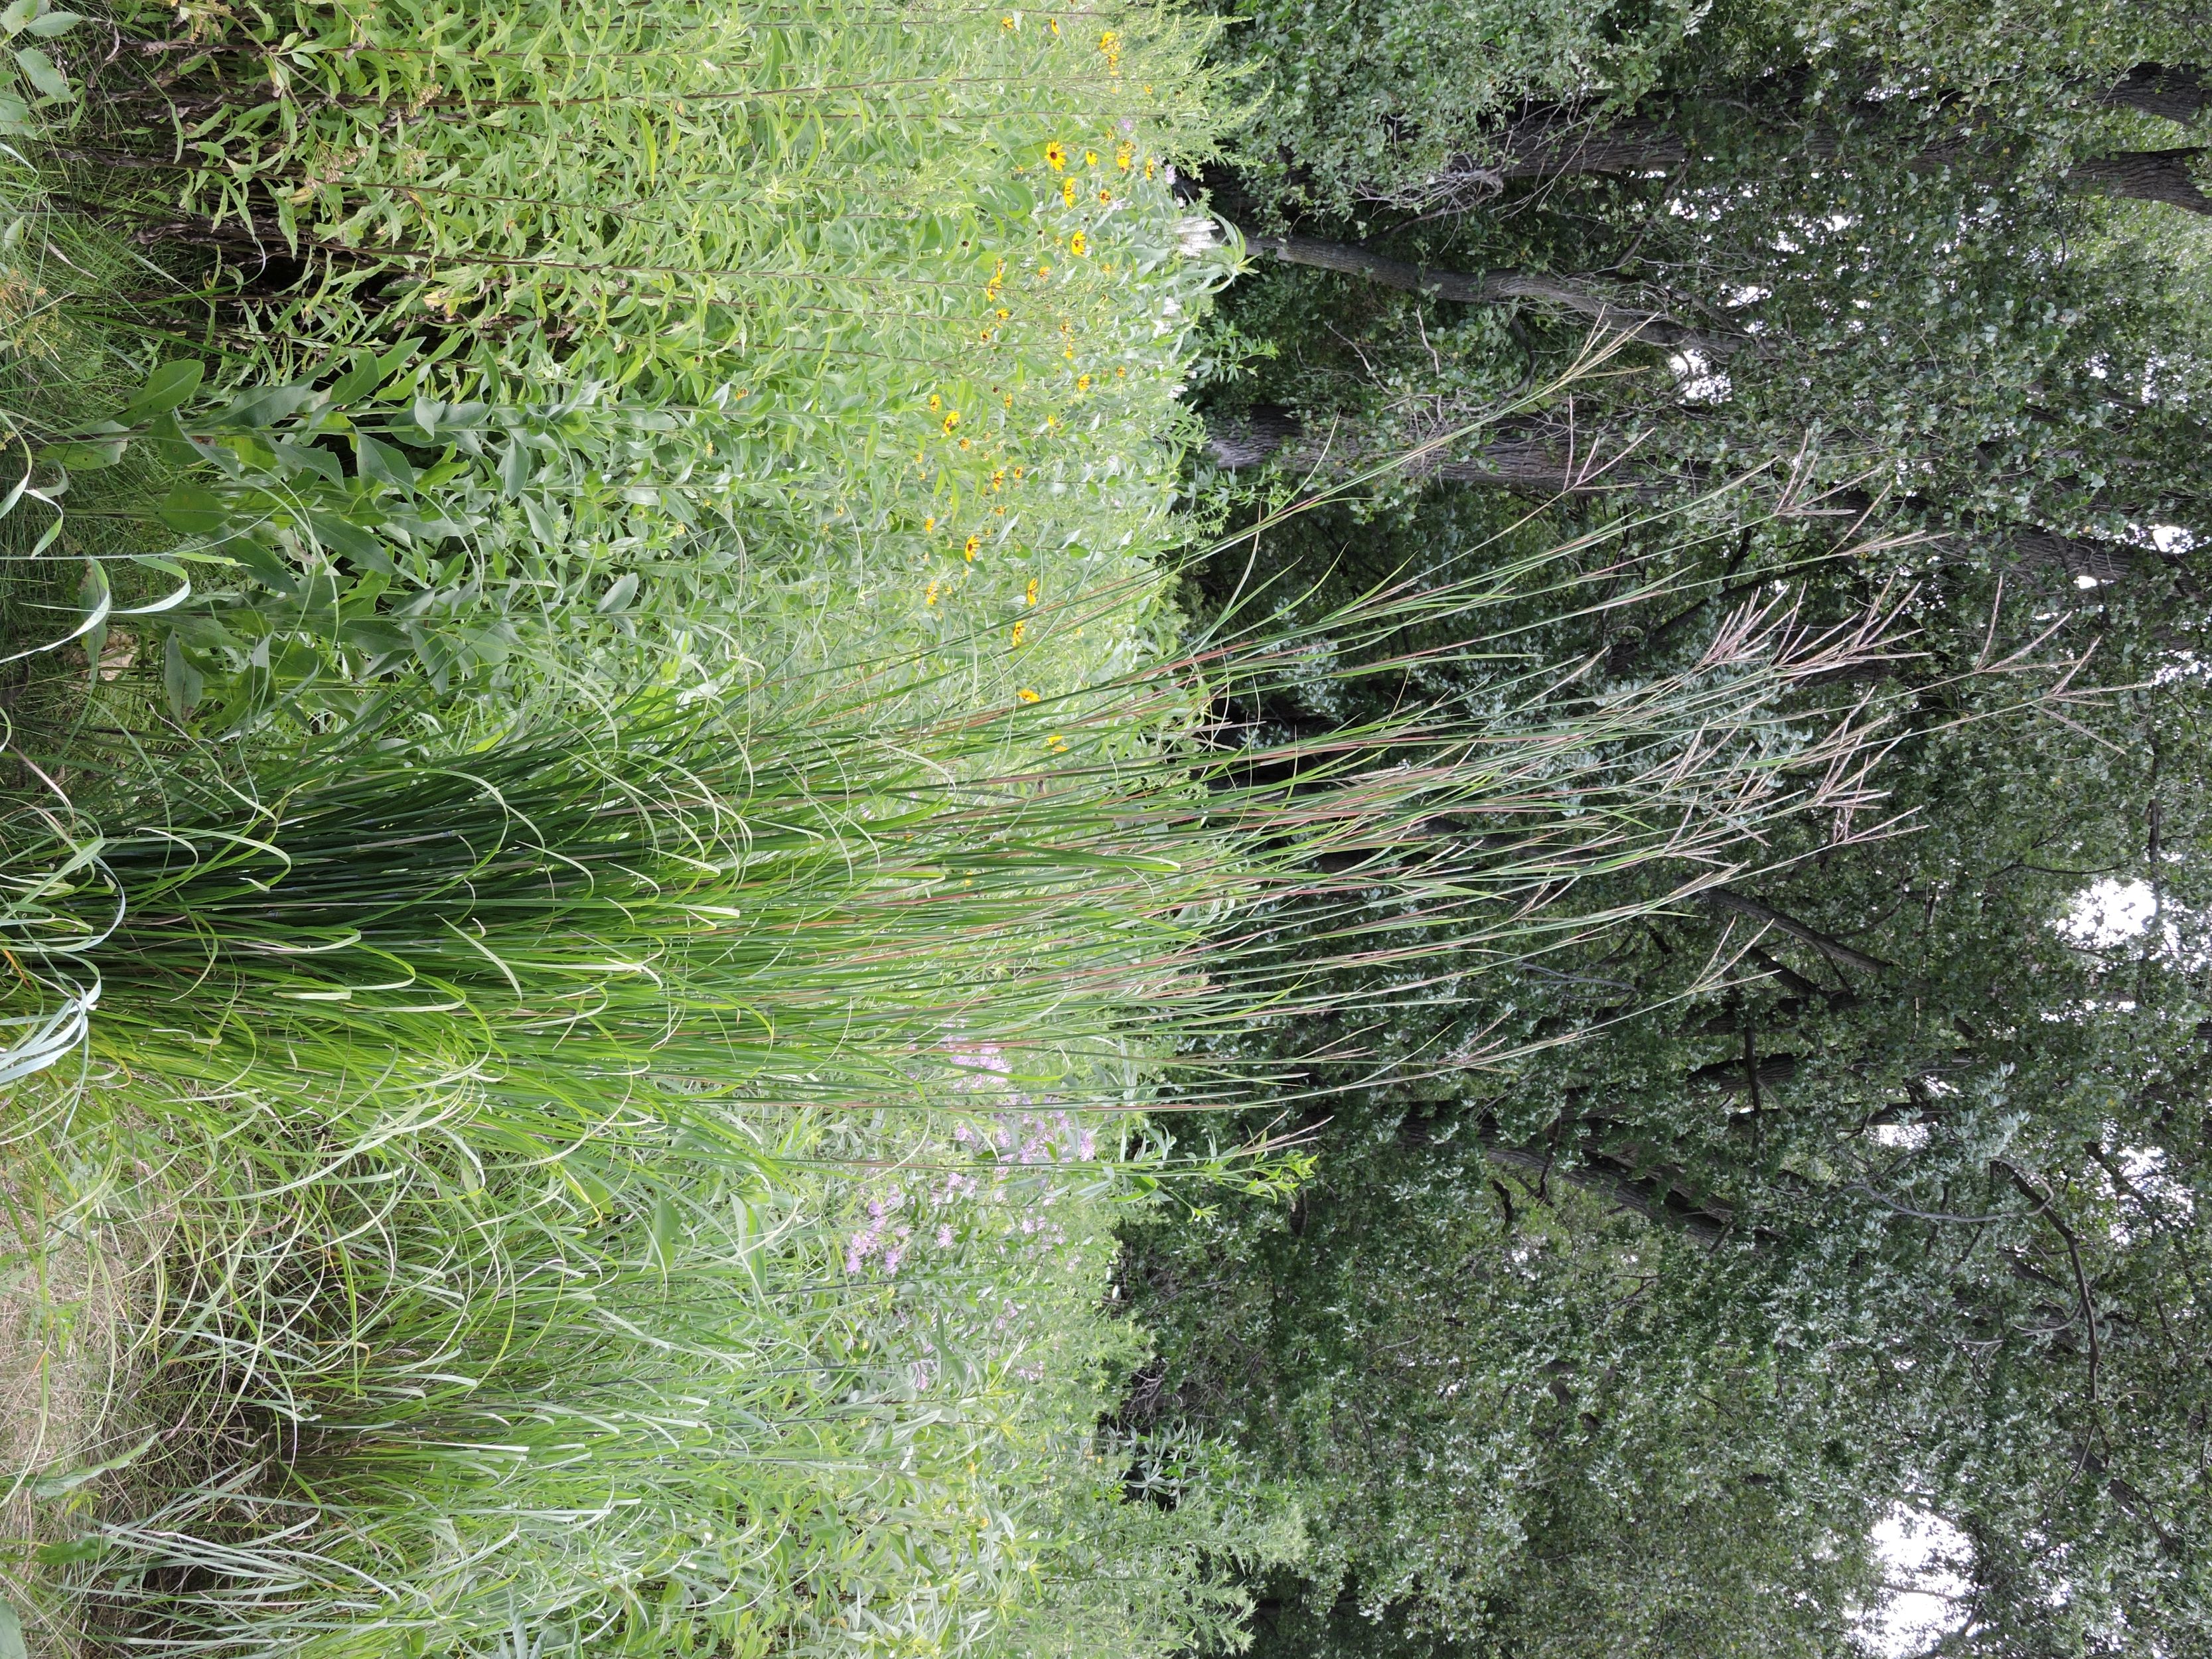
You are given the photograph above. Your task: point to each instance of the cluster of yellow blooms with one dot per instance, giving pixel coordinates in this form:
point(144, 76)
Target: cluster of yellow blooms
point(1070, 163)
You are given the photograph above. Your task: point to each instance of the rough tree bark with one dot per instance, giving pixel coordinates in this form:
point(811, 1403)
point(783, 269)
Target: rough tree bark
point(2147, 175)
point(1652, 1195)
point(2176, 92)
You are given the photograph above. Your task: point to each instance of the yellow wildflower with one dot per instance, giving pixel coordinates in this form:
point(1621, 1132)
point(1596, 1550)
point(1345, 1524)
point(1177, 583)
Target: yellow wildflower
point(1083, 383)
point(1067, 192)
point(1026, 695)
point(930, 598)
point(1007, 22)
point(952, 420)
point(1078, 245)
point(936, 401)
point(929, 524)
point(1029, 593)
point(1124, 154)
point(1057, 744)
point(1055, 153)
point(1105, 197)
point(974, 544)
point(963, 443)
point(1015, 638)
point(1090, 158)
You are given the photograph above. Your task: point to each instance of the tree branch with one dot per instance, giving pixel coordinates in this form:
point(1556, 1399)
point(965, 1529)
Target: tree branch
point(1652, 1197)
point(1726, 898)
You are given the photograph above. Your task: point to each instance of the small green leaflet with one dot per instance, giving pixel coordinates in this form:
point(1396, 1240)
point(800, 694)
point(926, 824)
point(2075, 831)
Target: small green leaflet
point(47, 1487)
point(38, 70)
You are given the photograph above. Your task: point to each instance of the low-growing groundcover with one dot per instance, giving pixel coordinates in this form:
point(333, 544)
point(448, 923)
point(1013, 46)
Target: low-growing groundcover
point(609, 821)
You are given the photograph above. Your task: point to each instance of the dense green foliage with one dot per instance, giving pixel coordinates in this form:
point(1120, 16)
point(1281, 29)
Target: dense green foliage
point(1866, 1181)
point(1869, 1179)
point(1945, 270)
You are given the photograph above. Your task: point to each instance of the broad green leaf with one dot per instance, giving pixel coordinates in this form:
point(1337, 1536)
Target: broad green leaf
point(183, 683)
point(266, 405)
point(383, 463)
point(293, 458)
point(38, 70)
point(364, 377)
point(191, 509)
point(360, 545)
point(54, 23)
point(268, 567)
point(11, 1634)
point(86, 456)
point(69, 1553)
point(168, 443)
point(545, 521)
point(166, 388)
point(664, 1232)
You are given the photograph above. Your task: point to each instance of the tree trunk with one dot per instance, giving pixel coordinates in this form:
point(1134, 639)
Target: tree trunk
point(1599, 464)
point(2100, 561)
point(1733, 1075)
point(1539, 463)
point(1491, 287)
point(2174, 92)
point(2146, 175)
point(1555, 147)
point(1651, 1196)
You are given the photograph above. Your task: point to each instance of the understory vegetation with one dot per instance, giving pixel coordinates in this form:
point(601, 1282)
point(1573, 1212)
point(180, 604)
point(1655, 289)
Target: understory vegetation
point(760, 895)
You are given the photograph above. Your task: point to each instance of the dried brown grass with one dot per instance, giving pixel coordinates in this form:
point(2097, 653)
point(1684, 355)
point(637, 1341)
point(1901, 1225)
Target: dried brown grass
point(64, 1367)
